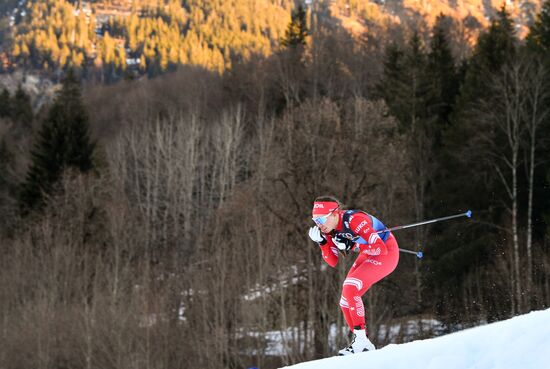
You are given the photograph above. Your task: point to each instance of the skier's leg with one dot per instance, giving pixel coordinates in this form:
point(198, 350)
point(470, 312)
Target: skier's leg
point(360, 342)
point(351, 292)
point(355, 316)
point(367, 271)
point(344, 305)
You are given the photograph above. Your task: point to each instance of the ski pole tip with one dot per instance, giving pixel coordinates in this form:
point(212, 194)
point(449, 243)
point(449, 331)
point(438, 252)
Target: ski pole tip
point(419, 254)
point(469, 213)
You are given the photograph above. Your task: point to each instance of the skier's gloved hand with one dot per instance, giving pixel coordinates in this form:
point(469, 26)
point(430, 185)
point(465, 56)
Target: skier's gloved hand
point(316, 235)
point(344, 244)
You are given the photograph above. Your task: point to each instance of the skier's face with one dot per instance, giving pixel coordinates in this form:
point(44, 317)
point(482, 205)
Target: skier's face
point(330, 223)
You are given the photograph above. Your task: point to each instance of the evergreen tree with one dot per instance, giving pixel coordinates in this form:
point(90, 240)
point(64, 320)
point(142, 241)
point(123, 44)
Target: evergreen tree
point(8, 204)
point(538, 45)
point(494, 49)
point(21, 108)
point(409, 89)
point(393, 85)
point(538, 38)
point(63, 142)
point(404, 84)
point(443, 78)
point(6, 158)
point(467, 179)
point(296, 31)
point(5, 103)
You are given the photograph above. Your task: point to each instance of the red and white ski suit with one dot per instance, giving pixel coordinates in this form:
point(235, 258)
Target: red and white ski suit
point(376, 260)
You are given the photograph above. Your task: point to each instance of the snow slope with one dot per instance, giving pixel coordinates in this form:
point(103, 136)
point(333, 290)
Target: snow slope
point(522, 342)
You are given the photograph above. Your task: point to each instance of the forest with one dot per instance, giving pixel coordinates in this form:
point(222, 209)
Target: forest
point(110, 40)
point(162, 222)
point(105, 41)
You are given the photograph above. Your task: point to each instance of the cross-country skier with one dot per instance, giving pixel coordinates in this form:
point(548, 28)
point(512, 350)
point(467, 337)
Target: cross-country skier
point(339, 231)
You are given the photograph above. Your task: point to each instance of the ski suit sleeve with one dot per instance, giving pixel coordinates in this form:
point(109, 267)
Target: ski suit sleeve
point(329, 251)
point(361, 225)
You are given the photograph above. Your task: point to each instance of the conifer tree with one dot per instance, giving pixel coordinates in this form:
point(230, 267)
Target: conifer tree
point(538, 45)
point(7, 203)
point(5, 160)
point(390, 86)
point(467, 178)
point(443, 78)
point(21, 108)
point(407, 89)
point(539, 34)
point(5, 103)
point(494, 49)
point(63, 142)
point(296, 31)
point(404, 85)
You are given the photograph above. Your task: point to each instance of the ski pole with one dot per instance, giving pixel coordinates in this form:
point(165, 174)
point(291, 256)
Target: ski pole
point(467, 214)
point(419, 254)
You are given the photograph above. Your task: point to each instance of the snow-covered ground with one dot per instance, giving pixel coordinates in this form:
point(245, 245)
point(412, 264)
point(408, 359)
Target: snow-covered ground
point(522, 342)
point(281, 342)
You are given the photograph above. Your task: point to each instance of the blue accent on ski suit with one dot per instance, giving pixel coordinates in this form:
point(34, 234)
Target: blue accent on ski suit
point(377, 225)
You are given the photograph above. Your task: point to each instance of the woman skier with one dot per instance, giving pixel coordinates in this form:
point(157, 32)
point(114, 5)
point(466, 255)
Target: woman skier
point(343, 231)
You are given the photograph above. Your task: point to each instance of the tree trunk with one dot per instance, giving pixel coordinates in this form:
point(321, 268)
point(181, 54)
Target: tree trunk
point(537, 94)
point(517, 285)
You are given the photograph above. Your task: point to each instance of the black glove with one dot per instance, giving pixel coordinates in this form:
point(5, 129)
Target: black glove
point(344, 244)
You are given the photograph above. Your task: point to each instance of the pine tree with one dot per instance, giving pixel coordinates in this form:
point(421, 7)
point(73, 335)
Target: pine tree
point(495, 48)
point(392, 85)
point(466, 176)
point(296, 31)
point(6, 158)
point(404, 85)
point(538, 45)
point(8, 205)
point(21, 108)
point(5, 104)
point(63, 142)
point(443, 77)
point(539, 34)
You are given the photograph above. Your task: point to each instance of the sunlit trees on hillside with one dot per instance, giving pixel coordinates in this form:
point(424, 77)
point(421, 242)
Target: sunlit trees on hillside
point(56, 35)
point(52, 36)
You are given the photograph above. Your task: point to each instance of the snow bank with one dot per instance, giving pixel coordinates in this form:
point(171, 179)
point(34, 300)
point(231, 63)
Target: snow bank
point(522, 342)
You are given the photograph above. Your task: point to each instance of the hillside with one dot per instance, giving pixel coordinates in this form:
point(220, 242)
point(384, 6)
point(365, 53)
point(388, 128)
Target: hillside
point(520, 342)
point(472, 14)
point(135, 37)
point(187, 244)
point(113, 38)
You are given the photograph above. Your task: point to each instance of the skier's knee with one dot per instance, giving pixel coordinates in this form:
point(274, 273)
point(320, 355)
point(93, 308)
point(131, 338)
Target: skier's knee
point(349, 290)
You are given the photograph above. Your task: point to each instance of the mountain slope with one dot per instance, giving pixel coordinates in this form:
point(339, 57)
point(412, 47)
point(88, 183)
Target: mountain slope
point(521, 342)
point(112, 38)
point(145, 36)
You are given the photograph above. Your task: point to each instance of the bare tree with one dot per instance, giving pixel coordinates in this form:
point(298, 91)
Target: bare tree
point(535, 113)
point(510, 118)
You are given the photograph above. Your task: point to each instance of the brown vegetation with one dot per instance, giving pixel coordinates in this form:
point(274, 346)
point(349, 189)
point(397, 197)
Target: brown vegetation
point(187, 246)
